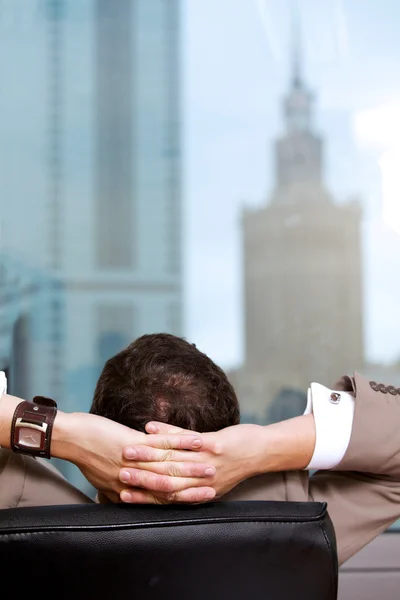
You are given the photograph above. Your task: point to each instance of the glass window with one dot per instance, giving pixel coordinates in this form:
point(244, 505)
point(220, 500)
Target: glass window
point(223, 171)
point(395, 526)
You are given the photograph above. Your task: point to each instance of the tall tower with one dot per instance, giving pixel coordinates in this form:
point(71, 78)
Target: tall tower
point(302, 270)
point(115, 162)
point(55, 296)
point(136, 206)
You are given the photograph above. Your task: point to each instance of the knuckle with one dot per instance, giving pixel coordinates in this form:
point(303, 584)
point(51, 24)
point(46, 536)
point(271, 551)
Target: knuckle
point(174, 470)
point(145, 454)
point(134, 478)
point(168, 455)
point(171, 497)
point(197, 471)
point(217, 449)
point(166, 484)
point(140, 455)
point(196, 495)
point(185, 442)
point(167, 444)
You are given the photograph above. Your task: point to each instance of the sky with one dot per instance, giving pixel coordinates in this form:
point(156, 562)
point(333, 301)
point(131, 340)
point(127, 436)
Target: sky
point(236, 67)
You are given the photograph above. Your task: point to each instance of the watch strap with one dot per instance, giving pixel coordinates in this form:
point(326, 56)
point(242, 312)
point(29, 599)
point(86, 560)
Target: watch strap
point(35, 418)
point(3, 385)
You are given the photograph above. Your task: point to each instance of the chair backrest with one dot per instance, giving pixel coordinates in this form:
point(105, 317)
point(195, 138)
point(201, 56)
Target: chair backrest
point(235, 551)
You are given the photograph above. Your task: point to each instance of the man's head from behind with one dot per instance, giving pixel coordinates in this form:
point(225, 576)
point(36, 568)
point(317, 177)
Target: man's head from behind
point(161, 377)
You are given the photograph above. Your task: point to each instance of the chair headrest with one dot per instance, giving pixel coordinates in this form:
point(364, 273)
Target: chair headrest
point(235, 550)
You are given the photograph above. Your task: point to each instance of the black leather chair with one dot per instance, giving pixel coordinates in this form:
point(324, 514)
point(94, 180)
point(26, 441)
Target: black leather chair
point(235, 551)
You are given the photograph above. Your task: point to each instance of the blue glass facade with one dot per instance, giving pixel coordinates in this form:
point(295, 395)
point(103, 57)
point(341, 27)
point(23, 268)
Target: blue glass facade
point(98, 214)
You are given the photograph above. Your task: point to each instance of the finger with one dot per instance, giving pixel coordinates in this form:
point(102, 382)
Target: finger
point(159, 483)
point(164, 428)
point(144, 454)
point(195, 495)
point(137, 496)
point(111, 497)
point(188, 496)
point(178, 469)
point(173, 469)
point(177, 441)
point(182, 441)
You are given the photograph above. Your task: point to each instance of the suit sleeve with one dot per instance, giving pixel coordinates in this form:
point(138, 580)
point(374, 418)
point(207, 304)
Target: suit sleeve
point(360, 505)
point(363, 492)
point(44, 486)
point(375, 440)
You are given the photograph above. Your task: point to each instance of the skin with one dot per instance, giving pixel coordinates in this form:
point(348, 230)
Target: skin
point(96, 446)
point(170, 465)
point(235, 453)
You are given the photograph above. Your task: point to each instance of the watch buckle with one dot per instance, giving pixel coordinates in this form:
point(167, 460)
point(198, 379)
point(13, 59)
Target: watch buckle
point(29, 425)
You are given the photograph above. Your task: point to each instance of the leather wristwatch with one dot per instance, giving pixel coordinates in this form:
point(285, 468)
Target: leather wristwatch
point(32, 426)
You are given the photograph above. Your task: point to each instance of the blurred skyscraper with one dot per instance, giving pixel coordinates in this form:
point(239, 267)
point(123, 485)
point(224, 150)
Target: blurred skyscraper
point(127, 279)
point(302, 278)
point(107, 208)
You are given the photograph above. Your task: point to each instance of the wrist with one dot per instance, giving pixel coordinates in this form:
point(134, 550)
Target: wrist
point(65, 437)
point(286, 446)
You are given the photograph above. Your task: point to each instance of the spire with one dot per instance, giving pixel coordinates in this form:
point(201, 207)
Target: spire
point(297, 80)
point(299, 100)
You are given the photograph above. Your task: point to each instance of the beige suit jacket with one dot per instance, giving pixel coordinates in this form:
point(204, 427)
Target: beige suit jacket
point(363, 494)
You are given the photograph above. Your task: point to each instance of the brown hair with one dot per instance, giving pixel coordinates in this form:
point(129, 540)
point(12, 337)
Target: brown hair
point(161, 377)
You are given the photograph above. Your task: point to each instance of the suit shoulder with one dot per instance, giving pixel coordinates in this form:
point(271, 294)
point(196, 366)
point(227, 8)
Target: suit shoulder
point(12, 476)
point(44, 486)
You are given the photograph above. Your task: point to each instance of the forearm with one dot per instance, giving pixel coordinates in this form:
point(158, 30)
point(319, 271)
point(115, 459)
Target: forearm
point(96, 444)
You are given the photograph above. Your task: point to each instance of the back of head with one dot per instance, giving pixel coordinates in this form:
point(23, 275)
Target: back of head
point(161, 377)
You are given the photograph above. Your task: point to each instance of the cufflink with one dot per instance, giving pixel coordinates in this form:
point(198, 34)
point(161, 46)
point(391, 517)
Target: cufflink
point(334, 398)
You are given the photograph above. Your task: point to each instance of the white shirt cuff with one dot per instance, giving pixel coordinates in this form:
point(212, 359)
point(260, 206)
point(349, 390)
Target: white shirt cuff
point(3, 384)
point(333, 414)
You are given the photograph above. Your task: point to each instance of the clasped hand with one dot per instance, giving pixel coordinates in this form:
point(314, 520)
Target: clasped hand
point(181, 466)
